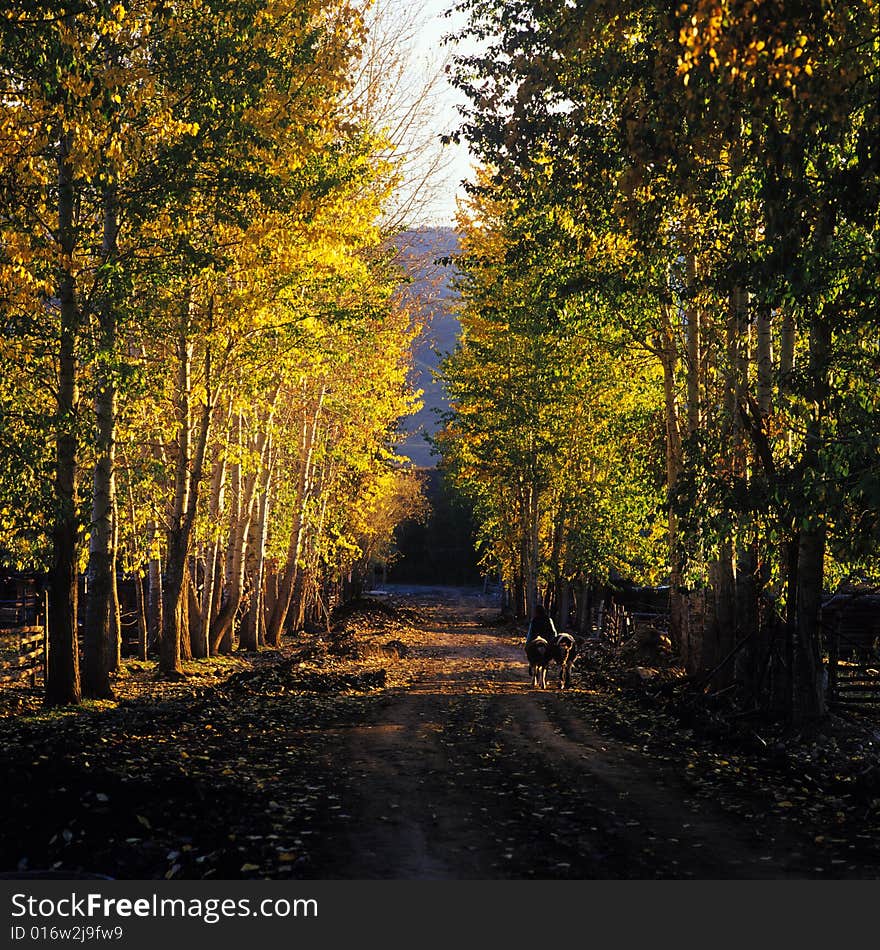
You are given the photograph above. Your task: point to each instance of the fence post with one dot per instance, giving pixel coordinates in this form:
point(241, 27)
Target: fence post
point(833, 654)
point(45, 637)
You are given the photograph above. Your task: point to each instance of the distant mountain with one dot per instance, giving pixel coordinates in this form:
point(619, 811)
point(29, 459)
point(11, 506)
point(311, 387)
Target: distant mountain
point(431, 295)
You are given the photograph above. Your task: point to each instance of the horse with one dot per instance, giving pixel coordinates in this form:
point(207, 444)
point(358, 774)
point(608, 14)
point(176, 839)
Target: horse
point(563, 651)
point(539, 652)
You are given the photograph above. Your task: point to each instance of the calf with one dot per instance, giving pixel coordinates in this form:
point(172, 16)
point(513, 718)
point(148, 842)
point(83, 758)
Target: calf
point(539, 653)
point(564, 650)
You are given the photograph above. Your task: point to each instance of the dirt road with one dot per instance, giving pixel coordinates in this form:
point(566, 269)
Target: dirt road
point(298, 767)
point(472, 773)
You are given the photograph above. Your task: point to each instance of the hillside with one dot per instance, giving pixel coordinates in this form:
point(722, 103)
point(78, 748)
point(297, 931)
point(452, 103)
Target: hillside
point(431, 293)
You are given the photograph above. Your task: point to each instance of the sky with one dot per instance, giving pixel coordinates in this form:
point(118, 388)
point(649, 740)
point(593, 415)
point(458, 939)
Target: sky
point(425, 62)
point(430, 284)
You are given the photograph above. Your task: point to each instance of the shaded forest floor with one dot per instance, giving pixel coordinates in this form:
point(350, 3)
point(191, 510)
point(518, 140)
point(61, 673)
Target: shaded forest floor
point(410, 744)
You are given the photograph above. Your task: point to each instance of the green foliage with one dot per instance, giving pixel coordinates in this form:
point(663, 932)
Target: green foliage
point(550, 406)
point(697, 184)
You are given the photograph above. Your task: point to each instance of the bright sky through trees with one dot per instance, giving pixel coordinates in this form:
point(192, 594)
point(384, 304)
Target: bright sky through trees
point(426, 59)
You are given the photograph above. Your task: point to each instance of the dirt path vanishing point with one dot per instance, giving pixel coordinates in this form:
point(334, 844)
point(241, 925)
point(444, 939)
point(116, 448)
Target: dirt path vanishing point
point(471, 773)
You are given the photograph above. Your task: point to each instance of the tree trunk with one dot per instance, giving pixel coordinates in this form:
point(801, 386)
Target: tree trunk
point(783, 699)
point(809, 699)
point(102, 556)
point(190, 464)
point(194, 617)
point(720, 638)
point(754, 570)
point(741, 538)
point(786, 346)
point(210, 594)
point(154, 575)
point(764, 360)
point(96, 646)
point(529, 546)
point(185, 649)
point(585, 609)
point(692, 346)
point(787, 336)
point(222, 625)
point(143, 630)
point(564, 608)
point(62, 675)
point(278, 617)
point(251, 635)
point(253, 629)
point(142, 615)
point(115, 605)
point(561, 591)
point(678, 632)
point(242, 510)
point(519, 598)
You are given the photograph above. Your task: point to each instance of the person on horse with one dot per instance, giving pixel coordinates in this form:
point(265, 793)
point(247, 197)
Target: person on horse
point(541, 626)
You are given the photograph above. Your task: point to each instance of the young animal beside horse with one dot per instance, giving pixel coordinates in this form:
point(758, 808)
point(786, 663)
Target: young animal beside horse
point(564, 651)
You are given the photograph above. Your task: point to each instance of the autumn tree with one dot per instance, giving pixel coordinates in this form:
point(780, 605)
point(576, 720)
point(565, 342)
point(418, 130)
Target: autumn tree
point(535, 385)
point(216, 193)
point(707, 172)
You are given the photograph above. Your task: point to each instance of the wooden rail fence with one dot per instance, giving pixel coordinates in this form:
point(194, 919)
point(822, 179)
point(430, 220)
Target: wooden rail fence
point(22, 653)
point(852, 628)
point(853, 675)
point(23, 646)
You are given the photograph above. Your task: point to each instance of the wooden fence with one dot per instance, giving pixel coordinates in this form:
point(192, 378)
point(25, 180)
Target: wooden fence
point(852, 629)
point(23, 642)
point(22, 653)
point(853, 674)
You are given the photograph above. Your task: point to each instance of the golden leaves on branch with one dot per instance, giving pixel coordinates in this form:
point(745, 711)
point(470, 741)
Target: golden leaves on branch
point(766, 44)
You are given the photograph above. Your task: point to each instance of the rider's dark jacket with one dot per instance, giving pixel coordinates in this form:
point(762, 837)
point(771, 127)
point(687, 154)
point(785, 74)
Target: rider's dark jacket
point(542, 627)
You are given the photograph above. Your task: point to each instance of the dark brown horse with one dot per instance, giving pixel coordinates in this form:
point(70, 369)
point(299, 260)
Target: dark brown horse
point(539, 652)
